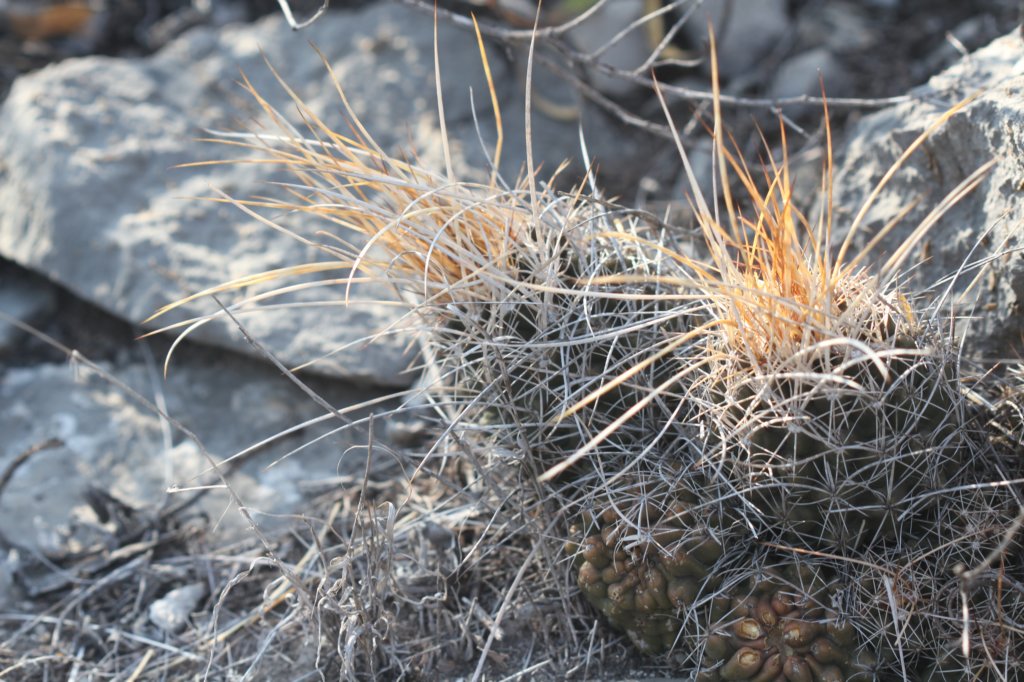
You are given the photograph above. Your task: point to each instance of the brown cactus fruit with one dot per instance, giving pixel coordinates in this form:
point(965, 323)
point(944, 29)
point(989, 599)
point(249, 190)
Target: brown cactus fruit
point(643, 567)
point(781, 629)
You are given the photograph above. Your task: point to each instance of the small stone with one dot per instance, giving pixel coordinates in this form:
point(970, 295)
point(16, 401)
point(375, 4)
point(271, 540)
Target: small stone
point(628, 52)
point(803, 74)
point(407, 433)
point(170, 613)
point(744, 31)
point(844, 26)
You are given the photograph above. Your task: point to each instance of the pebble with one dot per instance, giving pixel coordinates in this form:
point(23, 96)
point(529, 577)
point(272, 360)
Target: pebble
point(803, 74)
point(171, 612)
point(745, 31)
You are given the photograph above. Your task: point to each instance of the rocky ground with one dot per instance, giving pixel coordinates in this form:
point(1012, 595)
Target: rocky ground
point(128, 500)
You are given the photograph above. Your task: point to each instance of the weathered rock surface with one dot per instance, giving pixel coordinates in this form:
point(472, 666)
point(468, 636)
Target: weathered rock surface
point(114, 447)
point(979, 241)
point(90, 192)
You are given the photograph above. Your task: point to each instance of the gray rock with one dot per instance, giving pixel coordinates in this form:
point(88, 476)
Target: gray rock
point(599, 36)
point(745, 31)
point(171, 612)
point(24, 297)
point(845, 26)
point(111, 444)
point(91, 196)
point(802, 74)
point(979, 241)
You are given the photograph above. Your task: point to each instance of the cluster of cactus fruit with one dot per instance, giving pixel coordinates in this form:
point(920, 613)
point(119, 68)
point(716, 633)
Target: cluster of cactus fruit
point(641, 567)
point(781, 628)
point(772, 462)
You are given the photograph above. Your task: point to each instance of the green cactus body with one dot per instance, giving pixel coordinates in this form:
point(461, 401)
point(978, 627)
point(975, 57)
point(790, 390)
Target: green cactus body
point(834, 447)
point(560, 335)
point(965, 560)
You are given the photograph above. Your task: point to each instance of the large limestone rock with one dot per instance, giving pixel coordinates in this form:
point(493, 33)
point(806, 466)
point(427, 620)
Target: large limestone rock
point(978, 243)
point(100, 440)
point(92, 196)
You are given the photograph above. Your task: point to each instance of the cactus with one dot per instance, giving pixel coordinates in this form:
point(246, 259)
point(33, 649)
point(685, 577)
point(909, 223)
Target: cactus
point(837, 444)
point(712, 415)
point(829, 405)
point(956, 587)
point(527, 358)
